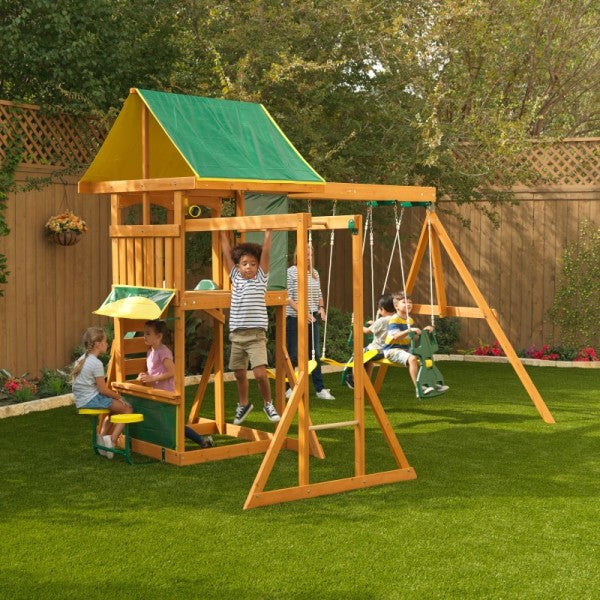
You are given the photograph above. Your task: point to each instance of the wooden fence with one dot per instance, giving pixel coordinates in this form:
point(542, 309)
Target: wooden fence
point(52, 290)
point(517, 265)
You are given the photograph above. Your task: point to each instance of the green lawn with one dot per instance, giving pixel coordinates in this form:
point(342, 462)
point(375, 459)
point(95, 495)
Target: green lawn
point(504, 506)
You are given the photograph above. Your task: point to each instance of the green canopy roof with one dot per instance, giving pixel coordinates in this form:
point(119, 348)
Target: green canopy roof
point(208, 138)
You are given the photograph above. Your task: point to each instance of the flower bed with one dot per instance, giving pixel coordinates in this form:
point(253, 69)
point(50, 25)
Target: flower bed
point(545, 352)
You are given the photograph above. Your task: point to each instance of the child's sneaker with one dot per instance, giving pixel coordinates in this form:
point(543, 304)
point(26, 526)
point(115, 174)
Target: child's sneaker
point(207, 442)
point(349, 381)
point(288, 393)
point(325, 394)
point(441, 388)
point(241, 412)
point(109, 444)
point(271, 412)
point(100, 442)
point(426, 389)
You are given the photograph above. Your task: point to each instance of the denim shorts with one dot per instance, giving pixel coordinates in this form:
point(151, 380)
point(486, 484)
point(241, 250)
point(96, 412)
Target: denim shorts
point(99, 401)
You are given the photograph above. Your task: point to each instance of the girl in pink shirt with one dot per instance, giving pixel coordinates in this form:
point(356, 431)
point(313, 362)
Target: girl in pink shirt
point(160, 371)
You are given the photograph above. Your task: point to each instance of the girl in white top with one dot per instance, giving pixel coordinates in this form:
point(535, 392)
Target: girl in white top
point(90, 389)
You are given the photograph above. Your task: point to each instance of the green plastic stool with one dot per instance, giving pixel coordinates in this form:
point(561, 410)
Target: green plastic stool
point(127, 419)
point(93, 413)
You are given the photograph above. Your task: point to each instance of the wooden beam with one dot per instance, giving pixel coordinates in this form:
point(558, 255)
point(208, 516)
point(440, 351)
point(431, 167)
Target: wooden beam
point(339, 222)
point(282, 187)
point(259, 223)
point(337, 425)
point(136, 185)
point(136, 389)
point(216, 299)
point(363, 192)
point(466, 312)
point(139, 231)
point(328, 487)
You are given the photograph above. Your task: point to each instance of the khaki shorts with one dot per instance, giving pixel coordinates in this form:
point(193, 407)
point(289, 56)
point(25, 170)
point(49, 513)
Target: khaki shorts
point(248, 345)
point(398, 355)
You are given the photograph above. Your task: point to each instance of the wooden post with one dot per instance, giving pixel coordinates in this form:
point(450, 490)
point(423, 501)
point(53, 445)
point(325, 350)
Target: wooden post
point(221, 278)
point(145, 164)
point(359, 371)
point(438, 273)
point(304, 223)
point(179, 313)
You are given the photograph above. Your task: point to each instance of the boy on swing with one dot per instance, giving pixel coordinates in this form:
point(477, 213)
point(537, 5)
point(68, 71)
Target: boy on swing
point(397, 342)
point(378, 328)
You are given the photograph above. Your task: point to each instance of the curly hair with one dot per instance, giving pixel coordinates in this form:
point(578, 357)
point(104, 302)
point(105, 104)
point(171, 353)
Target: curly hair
point(240, 250)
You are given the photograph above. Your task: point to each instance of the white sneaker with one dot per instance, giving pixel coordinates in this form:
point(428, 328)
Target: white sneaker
point(100, 441)
point(109, 444)
point(288, 393)
point(442, 388)
point(325, 394)
point(426, 389)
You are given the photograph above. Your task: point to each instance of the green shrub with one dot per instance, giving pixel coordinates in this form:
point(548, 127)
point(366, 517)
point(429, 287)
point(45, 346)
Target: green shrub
point(339, 328)
point(53, 382)
point(576, 302)
point(447, 331)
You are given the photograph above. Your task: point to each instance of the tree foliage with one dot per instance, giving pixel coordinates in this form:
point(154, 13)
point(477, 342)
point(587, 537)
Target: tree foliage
point(394, 92)
point(78, 55)
point(370, 91)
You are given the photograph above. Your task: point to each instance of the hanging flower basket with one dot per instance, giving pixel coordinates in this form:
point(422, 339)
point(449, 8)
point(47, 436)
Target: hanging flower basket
point(65, 229)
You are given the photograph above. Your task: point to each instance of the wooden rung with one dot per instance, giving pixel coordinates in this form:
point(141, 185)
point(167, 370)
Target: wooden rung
point(333, 425)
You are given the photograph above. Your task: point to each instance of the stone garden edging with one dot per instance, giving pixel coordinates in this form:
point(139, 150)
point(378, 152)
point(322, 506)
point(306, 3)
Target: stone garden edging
point(23, 408)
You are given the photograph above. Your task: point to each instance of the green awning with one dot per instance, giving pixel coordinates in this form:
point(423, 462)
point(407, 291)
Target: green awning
point(134, 302)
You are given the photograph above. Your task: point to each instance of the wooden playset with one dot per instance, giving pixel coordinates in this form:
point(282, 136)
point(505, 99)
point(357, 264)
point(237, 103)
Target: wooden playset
point(174, 152)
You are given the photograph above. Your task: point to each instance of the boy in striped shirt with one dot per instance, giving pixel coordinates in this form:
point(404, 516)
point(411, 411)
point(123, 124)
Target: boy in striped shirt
point(248, 266)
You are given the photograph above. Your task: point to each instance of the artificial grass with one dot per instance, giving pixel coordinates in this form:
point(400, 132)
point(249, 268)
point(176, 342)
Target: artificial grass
point(505, 506)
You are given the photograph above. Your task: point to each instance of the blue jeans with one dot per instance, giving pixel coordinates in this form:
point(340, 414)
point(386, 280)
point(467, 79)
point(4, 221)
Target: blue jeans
point(291, 333)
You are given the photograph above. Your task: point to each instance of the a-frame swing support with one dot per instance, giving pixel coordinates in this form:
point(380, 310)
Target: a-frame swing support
point(434, 233)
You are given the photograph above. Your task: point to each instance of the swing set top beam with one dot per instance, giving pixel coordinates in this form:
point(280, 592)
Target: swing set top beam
point(367, 192)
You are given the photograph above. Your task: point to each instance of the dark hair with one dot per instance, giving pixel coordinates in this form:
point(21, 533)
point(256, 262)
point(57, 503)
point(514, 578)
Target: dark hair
point(160, 327)
point(387, 303)
point(238, 251)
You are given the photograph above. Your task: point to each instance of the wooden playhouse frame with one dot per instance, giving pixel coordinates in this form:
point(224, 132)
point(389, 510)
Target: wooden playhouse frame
point(153, 255)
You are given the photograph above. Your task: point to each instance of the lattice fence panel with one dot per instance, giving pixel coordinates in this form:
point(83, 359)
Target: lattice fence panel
point(570, 162)
point(50, 139)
